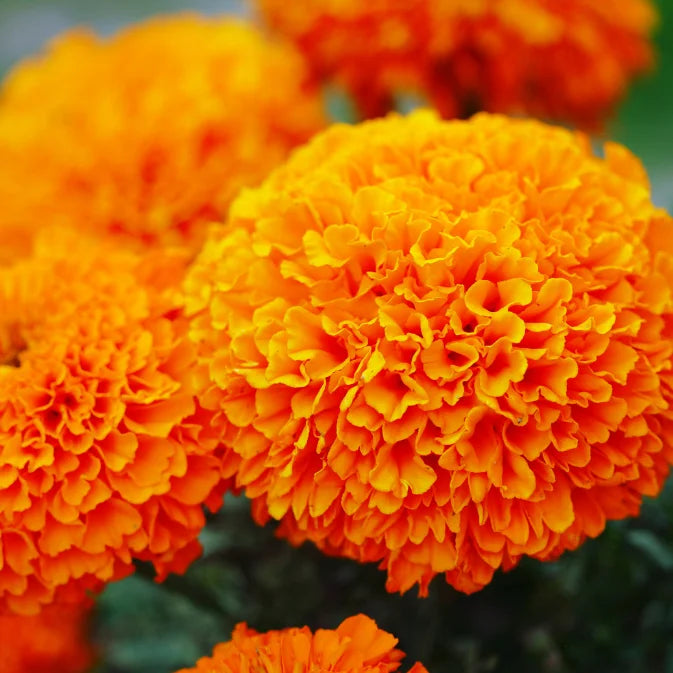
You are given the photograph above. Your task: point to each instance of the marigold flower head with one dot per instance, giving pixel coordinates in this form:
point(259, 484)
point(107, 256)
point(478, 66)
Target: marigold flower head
point(357, 645)
point(55, 641)
point(442, 345)
point(104, 455)
point(150, 133)
point(569, 60)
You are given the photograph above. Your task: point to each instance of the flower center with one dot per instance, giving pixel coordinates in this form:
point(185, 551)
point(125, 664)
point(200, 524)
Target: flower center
point(11, 346)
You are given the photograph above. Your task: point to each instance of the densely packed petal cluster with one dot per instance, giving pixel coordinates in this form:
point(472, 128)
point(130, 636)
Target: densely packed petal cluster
point(442, 345)
point(357, 645)
point(105, 456)
point(568, 60)
point(55, 641)
point(150, 133)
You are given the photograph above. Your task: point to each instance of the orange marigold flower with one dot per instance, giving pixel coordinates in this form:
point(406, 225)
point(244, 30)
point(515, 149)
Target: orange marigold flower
point(442, 345)
point(105, 456)
point(54, 641)
point(569, 60)
point(150, 133)
point(357, 645)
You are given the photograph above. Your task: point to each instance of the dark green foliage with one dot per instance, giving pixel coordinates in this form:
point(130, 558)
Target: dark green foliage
point(607, 607)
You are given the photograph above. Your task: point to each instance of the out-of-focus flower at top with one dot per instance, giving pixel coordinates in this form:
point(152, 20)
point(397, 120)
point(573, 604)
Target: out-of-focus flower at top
point(569, 61)
point(55, 641)
point(442, 345)
point(357, 645)
point(147, 134)
point(105, 457)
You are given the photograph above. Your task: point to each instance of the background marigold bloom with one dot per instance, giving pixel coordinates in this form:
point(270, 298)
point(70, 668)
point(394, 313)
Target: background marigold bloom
point(357, 645)
point(442, 345)
point(55, 641)
point(150, 133)
point(567, 60)
point(104, 455)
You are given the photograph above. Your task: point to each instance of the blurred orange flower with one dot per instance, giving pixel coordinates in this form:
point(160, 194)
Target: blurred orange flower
point(104, 455)
point(147, 134)
point(569, 60)
point(357, 645)
point(442, 345)
point(54, 641)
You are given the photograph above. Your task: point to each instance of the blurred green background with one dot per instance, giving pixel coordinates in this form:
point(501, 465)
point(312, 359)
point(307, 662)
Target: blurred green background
point(607, 608)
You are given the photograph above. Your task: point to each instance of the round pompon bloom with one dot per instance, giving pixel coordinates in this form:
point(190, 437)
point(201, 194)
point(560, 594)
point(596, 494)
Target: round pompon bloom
point(442, 345)
point(105, 456)
point(357, 645)
point(150, 133)
point(55, 641)
point(569, 60)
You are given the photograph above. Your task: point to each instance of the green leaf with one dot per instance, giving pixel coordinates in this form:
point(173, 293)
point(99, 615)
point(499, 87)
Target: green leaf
point(648, 543)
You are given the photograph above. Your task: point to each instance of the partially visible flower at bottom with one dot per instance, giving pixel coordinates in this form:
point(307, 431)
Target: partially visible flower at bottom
point(357, 645)
point(55, 641)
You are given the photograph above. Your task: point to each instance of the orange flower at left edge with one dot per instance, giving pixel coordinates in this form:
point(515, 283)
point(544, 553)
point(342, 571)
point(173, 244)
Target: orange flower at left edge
point(54, 641)
point(147, 135)
point(357, 645)
point(104, 454)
